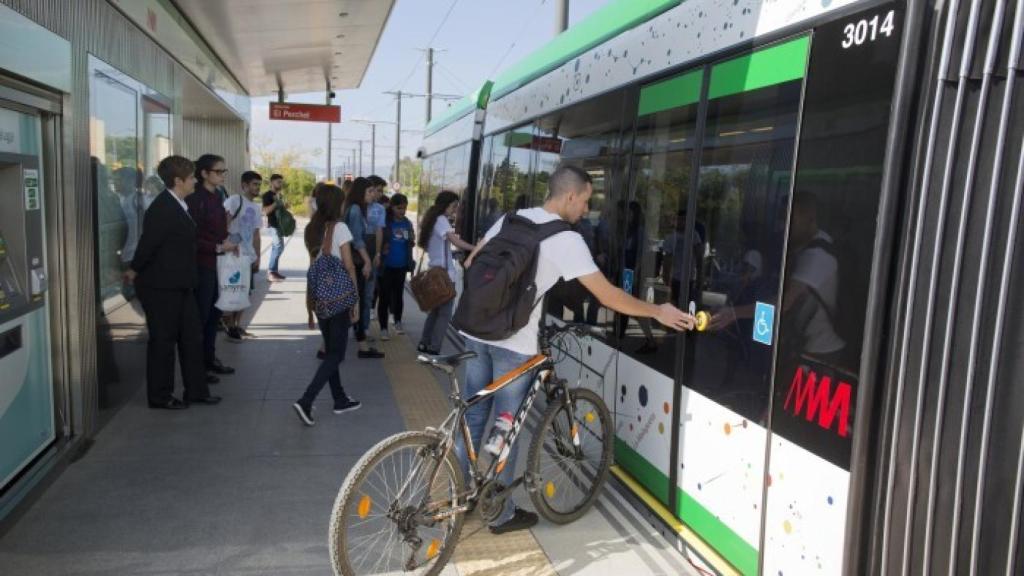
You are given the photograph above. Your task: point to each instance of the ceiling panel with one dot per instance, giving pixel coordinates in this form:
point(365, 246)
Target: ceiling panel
point(298, 43)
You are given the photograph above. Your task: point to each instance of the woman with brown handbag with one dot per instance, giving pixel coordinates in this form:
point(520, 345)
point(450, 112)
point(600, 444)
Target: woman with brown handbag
point(437, 235)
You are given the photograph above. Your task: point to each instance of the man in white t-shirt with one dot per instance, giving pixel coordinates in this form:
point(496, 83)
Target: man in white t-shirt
point(566, 256)
point(244, 220)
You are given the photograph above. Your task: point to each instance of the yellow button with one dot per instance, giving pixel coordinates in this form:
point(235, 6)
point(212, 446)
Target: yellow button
point(703, 319)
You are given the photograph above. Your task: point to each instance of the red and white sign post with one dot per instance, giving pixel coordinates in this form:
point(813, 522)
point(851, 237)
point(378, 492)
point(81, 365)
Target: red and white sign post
point(305, 112)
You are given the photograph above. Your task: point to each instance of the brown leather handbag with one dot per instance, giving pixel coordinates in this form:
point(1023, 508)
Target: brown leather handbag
point(432, 287)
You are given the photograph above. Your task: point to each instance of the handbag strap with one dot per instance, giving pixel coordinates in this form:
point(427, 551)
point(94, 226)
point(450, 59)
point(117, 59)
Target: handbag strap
point(325, 246)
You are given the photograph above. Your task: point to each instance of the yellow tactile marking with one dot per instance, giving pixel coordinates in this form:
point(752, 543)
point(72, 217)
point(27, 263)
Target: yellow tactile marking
point(423, 402)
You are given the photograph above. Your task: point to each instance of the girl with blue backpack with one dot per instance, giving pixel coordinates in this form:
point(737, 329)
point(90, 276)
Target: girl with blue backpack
point(334, 298)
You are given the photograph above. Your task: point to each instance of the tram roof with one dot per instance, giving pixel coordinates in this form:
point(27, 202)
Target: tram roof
point(604, 24)
point(467, 104)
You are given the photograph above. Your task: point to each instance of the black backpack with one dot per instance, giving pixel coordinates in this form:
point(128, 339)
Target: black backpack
point(500, 288)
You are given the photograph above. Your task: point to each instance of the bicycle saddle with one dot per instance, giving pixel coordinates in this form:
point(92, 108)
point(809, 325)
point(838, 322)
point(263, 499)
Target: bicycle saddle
point(447, 363)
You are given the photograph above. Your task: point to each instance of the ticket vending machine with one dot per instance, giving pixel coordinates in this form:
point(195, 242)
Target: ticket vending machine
point(27, 424)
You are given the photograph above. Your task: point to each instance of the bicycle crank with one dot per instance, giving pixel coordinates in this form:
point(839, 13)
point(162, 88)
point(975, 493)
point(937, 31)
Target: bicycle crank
point(492, 501)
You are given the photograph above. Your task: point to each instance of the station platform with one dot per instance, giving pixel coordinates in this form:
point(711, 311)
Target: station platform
point(244, 488)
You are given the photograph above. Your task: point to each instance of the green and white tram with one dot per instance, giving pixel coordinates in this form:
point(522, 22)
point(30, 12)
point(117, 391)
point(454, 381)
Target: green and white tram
point(836, 185)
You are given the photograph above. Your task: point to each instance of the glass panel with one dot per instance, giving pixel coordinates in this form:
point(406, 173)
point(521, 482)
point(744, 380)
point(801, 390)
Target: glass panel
point(656, 242)
point(511, 158)
point(487, 212)
point(114, 132)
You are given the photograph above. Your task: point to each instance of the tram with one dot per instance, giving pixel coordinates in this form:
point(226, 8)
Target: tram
point(836, 184)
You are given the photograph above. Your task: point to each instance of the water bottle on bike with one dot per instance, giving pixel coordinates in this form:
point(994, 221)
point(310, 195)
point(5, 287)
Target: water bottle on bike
point(499, 431)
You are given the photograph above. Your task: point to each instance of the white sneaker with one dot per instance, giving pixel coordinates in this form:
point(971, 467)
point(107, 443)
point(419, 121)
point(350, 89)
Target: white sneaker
point(385, 335)
point(398, 328)
point(373, 314)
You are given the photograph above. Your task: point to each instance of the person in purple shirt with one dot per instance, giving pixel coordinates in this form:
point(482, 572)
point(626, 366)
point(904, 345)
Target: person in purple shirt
point(207, 211)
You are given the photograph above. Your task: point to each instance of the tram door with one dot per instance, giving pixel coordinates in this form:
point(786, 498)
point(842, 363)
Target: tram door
point(736, 229)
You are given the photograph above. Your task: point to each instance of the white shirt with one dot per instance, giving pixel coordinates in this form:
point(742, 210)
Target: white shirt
point(564, 255)
point(819, 271)
point(439, 251)
point(342, 235)
point(180, 202)
point(244, 225)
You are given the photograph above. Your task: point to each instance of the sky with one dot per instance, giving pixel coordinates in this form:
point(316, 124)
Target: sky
point(479, 39)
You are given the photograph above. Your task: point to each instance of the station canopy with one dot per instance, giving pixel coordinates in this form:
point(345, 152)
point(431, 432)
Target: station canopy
point(292, 44)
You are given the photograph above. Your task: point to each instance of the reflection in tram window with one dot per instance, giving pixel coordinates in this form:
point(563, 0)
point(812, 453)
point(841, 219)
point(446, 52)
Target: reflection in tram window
point(655, 220)
point(742, 204)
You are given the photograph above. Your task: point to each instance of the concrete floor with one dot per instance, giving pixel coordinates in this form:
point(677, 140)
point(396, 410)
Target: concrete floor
point(243, 488)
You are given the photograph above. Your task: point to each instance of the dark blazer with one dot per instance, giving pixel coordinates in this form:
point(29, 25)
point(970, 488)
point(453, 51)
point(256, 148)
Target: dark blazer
point(165, 258)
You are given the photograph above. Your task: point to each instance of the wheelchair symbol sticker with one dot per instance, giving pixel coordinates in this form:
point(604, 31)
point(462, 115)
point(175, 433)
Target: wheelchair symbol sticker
point(627, 280)
point(764, 323)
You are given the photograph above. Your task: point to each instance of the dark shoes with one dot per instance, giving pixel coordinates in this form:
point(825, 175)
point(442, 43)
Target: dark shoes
point(208, 401)
point(320, 354)
point(347, 406)
point(371, 353)
point(172, 404)
point(424, 349)
point(275, 277)
point(305, 414)
point(211, 379)
point(522, 520)
point(218, 368)
point(234, 334)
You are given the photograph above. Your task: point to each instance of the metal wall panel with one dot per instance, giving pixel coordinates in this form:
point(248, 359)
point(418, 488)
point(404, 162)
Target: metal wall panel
point(226, 138)
point(947, 499)
point(95, 27)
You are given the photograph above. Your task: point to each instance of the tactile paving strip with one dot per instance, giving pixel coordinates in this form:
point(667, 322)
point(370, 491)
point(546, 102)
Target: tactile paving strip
point(423, 402)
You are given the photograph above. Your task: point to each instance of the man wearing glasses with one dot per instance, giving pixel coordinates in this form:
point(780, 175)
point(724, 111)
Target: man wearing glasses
point(271, 200)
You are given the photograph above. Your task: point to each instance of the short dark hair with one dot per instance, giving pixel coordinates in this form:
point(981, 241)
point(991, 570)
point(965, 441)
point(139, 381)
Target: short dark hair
point(276, 177)
point(566, 178)
point(376, 180)
point(249, 175)
point(174, 167)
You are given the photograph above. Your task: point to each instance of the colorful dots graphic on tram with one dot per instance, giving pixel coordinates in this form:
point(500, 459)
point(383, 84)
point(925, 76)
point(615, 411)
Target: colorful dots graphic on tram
point(666, 407)
point(643, 396)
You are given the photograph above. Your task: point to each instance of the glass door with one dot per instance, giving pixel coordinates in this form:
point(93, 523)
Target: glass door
point(737, 234)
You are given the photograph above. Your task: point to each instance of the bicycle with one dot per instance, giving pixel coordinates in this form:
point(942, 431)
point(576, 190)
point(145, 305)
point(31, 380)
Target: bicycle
point(419, 512)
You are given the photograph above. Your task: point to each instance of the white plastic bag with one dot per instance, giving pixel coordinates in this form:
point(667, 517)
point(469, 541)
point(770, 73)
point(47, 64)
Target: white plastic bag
point(233, 282)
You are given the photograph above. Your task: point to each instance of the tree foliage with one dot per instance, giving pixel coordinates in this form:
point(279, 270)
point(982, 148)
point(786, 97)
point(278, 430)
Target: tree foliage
point(299, 181)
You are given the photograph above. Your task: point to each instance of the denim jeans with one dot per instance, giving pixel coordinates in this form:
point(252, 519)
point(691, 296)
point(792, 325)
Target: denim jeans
point(491, 363)
point(436, 326)
point(276, 248)
point(366, 303)
point(335, 333)
point(209, 315)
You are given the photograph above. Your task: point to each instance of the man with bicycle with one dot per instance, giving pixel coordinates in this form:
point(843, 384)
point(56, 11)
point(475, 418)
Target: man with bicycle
point(562, 255)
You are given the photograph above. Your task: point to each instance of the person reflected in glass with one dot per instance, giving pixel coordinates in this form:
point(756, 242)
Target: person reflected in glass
point(636, 237)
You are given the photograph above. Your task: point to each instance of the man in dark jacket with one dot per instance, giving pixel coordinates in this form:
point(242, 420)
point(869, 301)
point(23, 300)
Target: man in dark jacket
point(164, 273)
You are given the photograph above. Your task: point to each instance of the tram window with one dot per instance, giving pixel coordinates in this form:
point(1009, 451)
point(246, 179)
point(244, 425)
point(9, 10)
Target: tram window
point(589, 136)
point(654, 225)
point(510, 187)
point(488, 207)
point(741, 209)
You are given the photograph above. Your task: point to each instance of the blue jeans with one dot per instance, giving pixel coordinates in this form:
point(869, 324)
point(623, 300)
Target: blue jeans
point(276, 248)
point(367, 301)
point(335, 333)
point(491, 363)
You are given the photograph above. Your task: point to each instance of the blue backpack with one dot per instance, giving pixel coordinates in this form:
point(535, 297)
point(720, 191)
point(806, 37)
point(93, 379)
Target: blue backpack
point(331, 289)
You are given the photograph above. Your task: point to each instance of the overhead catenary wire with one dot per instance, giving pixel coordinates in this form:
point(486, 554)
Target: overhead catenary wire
point(515, 39)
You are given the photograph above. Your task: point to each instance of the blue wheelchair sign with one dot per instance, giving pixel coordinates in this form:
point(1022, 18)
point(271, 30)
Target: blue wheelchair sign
point(627, 280)
point(764, 323)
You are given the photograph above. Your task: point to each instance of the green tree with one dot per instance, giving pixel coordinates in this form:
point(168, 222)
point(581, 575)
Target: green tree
point(410, 172)
point(299, 181)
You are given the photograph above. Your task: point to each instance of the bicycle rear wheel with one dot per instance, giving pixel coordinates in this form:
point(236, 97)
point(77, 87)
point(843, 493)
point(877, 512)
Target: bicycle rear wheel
point(373, 530)
point(567, 478)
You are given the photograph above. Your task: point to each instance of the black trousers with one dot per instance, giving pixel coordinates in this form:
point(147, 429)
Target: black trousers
point(392, 284)
point(357, 327)
point(173, 323)
point(335, 333)
point(209, 315)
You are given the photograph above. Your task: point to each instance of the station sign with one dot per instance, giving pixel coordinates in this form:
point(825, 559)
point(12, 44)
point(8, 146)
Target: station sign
point(305, 112)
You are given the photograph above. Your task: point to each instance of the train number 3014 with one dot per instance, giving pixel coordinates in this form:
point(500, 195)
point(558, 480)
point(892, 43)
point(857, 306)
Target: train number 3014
point(857, 33)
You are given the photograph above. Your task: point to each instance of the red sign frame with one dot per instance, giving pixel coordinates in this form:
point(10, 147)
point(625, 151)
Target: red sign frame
point(305, 112)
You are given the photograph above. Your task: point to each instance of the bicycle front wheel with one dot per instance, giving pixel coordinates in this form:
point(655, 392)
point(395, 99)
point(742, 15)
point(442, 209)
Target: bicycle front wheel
point(568, 474)
point(379, 524)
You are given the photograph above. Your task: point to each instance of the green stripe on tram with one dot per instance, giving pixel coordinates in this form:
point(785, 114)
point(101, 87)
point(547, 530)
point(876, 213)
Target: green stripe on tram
point(723, 539)
point(682, 90)
point(767, 67)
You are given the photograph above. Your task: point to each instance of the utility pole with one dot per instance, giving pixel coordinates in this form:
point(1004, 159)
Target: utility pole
point(561, 16)
point(398, 136)
point(330, 125)
point(373, 148)
point(430, 81)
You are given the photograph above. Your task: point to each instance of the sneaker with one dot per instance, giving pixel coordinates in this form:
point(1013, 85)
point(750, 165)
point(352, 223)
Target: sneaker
point(373, 314)
point(398, 328)
point(306, 415)
point(371, 353)
point(347, 406)
point(245, 333)
point(522, 520)
point(385, 335)
point(320, 354)
point(234, 334)
point(278, 276)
